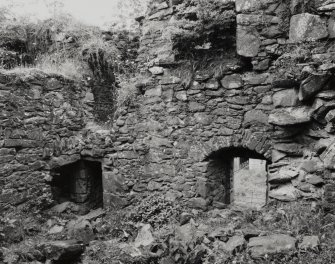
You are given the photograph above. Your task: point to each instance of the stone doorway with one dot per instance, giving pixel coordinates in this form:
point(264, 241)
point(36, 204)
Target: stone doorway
point(79, 182)
point(238, 176)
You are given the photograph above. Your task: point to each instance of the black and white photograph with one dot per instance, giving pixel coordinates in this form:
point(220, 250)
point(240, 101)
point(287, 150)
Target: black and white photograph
point(167, 131)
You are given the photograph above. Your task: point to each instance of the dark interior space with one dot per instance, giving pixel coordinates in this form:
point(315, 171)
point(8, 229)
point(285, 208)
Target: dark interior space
point(79, 182)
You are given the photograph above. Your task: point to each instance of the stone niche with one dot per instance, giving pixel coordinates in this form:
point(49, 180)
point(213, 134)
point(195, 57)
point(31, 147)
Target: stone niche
point(238, 177)
point(79, 182)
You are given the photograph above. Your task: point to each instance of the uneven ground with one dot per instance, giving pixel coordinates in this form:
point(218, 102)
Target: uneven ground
point(158, 231)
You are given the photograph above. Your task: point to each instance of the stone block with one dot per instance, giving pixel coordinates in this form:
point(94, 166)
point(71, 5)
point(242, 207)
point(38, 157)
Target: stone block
point(260, 246)
point(290, 116)
point(312, 85)
point(248, 41)
point(286, 193)
point(285, 98)
point(307, 27)
point(233, 81)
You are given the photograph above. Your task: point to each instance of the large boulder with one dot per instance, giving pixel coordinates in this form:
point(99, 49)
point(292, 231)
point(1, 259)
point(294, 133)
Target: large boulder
point(260, 246)
point(290, 116)
point(307, 27)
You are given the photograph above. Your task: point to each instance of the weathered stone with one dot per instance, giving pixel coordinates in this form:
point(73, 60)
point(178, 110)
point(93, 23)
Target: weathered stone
point(331, 27)
point(144, 237)
point(69, 250)
point(312, 165)
point(290, 116)
point(80, 230)
point(307, 27)
point(327, 95)
point(195, 107)
point(330, 117)
point(283, 175)
point(312, 85)
point(198, 203)
point(234, 244)
point(285, 193)
point(260, 246)
point(233, 81)
point(285, 98)
point(248, 41)
point(314, 179)
point(255, 116)
point(156, 70)
point(325, 5)
point(310, 242)
point(181, 95)
point(328, 157)
point(290, 148)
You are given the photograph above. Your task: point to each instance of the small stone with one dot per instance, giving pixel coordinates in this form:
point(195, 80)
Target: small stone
point(56, 229)
point(198, 203)
point(310, 242)
point(182, 96)
point(307, 27)
point(157, 70)
point(330, 117)
point(144, 237)
point(185, 218)
point(260, 246)
point(233, 81)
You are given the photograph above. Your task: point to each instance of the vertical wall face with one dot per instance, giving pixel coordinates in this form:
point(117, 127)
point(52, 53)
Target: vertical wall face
point(270, 99)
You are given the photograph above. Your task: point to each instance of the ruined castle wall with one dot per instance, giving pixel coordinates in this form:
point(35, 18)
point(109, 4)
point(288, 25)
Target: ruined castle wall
point(279, 107)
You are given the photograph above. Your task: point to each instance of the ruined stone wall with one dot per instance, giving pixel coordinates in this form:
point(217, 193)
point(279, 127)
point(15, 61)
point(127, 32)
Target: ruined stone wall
point(42, 126)
point(279, 106)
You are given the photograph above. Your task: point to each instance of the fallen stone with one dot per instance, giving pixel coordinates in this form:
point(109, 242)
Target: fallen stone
point(198, 203)
point(290, 116)
point(234, 244)
point(307, 27)
point(144, 237)
point(312, 85)
point(310, 242)
point(286, 193)
point(260, 246)
point(68, 250)
point(81, 230)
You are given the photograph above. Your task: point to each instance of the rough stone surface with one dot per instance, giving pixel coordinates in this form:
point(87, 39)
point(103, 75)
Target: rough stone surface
point(260, 246)
point(307, 27)
point(290, 116)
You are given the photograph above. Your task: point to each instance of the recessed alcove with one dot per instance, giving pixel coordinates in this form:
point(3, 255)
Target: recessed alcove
point(79, 182)
point(238, 177)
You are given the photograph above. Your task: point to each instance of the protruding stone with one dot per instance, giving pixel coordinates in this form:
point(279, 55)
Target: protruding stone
point(312, 85)
point(286, 193)
point(156, 70)
point(290, 116)
point(260, 246)
point(307, 27)
point(285, 98)
point(283, 175)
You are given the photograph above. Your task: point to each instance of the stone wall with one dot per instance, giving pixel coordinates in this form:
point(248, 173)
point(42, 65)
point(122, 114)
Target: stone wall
point(44, 124)
point(273, 98)
point(280, 108)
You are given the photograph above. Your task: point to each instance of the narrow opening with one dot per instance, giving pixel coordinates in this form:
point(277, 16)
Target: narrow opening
point(240, 177)
point(79, 182)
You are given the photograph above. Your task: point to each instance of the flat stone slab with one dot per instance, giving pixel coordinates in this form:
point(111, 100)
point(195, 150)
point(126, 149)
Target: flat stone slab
point(290, 116)
point(307, 27)
point(260, 246)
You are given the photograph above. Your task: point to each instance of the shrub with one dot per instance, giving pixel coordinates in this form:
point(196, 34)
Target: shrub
point(155, 210)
